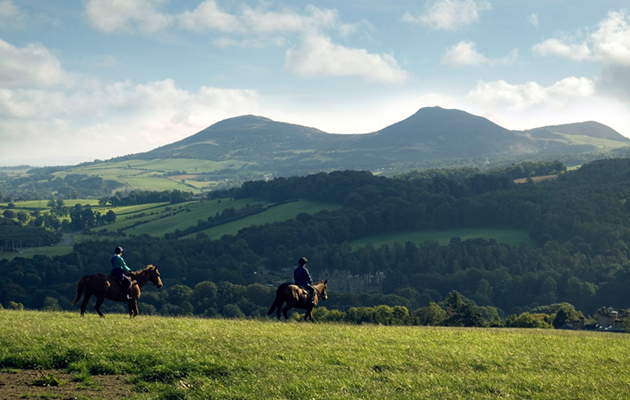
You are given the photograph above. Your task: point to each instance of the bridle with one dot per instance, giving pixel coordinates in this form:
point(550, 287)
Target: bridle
point(147, 279)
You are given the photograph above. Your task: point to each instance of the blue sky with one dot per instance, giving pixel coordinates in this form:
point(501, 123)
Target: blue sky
point(95, 79)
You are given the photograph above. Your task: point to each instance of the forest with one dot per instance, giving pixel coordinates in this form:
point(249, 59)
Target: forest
point(579, 224)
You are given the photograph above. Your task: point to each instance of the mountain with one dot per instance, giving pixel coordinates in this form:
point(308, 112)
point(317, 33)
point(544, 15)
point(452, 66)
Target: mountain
point(432, 133)
point(241, 137)
point(589, 128)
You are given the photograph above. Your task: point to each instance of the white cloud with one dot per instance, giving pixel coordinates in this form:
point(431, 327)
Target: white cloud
point(465, 54)
point(609, 44)
point(11, 17)
point(146, 16)
point(208, 16)
point(314, 19)
point(530, 94)
point(557, 47)
point(533, 19)
point(30, 66)
point(250, 42)
point(318, 56)
point(114, 16)
point(448, 14)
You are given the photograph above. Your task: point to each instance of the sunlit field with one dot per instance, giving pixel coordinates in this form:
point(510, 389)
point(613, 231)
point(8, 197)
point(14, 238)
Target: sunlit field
point(252, 359)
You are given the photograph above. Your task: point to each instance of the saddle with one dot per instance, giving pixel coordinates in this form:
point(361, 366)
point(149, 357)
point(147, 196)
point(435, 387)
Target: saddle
point(305, 291)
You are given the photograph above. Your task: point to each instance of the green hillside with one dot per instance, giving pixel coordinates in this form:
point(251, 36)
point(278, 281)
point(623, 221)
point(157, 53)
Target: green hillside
point(183, 174)
point(189, 358)
point(158, 219)
point(282, 212)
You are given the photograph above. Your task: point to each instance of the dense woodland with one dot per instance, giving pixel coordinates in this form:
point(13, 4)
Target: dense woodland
point(579, 224)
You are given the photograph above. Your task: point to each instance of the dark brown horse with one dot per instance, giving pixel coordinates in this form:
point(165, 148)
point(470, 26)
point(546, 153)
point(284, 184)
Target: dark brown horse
point(296, 297)
point(106, 287)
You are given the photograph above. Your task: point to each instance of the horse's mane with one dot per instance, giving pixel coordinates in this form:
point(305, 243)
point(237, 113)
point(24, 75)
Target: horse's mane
point(318, 282)
point(150, 267)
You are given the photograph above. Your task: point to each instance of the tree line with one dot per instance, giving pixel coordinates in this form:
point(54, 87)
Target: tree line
point(579, 224)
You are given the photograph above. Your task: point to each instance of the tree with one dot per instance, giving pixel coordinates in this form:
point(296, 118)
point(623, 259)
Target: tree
point(110, 217)
point(566, 314)
point(22, 216)
point(9, 214)
point(432, 315)
point(460, 311)
point(232, 311)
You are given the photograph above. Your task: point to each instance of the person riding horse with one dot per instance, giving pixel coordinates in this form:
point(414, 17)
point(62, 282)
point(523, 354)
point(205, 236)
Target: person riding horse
point(303, 278)
point(120, 270)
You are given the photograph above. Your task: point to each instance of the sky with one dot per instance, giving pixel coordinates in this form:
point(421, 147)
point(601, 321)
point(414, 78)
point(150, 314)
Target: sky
point(96, 79)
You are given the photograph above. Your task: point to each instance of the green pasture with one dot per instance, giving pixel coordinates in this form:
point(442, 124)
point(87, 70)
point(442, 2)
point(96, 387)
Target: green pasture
point(191, 358)
point(43, 204)
point(49, 251)
point(180, 217)
point(282, 212)
point(149, 174)
point(513, 237)
point(129, 167)
point(62, 248)
point(593, 141)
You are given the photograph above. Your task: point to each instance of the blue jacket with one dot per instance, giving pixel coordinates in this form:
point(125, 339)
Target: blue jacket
point(301, 276)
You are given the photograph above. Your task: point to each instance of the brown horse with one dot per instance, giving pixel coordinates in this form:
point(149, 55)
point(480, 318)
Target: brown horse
point(106, 287)
point(297, 297)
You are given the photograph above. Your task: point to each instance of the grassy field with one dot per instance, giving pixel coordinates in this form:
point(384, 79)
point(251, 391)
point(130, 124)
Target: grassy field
point(186, 358)
point(513, 237)
point(42, 205)
point(282, 212)
point(153, 174)
point(158, 219)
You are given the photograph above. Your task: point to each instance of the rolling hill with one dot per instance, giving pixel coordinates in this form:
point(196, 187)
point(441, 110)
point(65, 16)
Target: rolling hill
point(432, 133)
point(249, 147)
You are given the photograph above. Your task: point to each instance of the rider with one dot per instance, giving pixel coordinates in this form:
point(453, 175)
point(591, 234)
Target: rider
point(303, 278)
point(120, 270)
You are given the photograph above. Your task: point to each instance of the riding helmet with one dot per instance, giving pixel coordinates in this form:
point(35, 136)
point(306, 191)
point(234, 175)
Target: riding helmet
point(303, 261)
point(118, 250)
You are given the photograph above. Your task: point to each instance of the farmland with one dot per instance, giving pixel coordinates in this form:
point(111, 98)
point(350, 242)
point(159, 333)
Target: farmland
point(158, 219)
point(251, 359)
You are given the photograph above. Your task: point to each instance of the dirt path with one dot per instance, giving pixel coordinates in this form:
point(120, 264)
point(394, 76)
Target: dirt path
point(20, 385)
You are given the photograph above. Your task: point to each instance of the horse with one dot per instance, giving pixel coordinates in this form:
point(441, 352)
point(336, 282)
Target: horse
point(107, 287)
point(297, 297)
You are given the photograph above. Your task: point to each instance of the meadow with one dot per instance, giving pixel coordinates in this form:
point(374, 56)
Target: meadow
point(191, 358)
point(154, 175)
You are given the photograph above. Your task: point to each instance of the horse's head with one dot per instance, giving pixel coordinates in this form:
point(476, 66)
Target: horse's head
point(154, 277)
point(323, 289)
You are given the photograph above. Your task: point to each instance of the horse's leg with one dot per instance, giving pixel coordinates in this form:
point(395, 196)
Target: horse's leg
point(279, 309)
point(133, 307)
point(99, 302)
point(86, 299)
point(285, 309)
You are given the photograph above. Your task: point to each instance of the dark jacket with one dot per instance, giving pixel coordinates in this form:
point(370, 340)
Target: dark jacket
point(302, 277)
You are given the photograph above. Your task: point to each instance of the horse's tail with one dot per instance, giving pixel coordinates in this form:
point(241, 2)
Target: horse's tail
point(80, 288)
point(277, 303)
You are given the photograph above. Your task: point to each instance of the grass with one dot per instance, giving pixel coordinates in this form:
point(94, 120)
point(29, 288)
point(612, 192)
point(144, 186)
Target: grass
point(152, 174)
point(192, 358)
point(282, 212)
point(513, 237)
